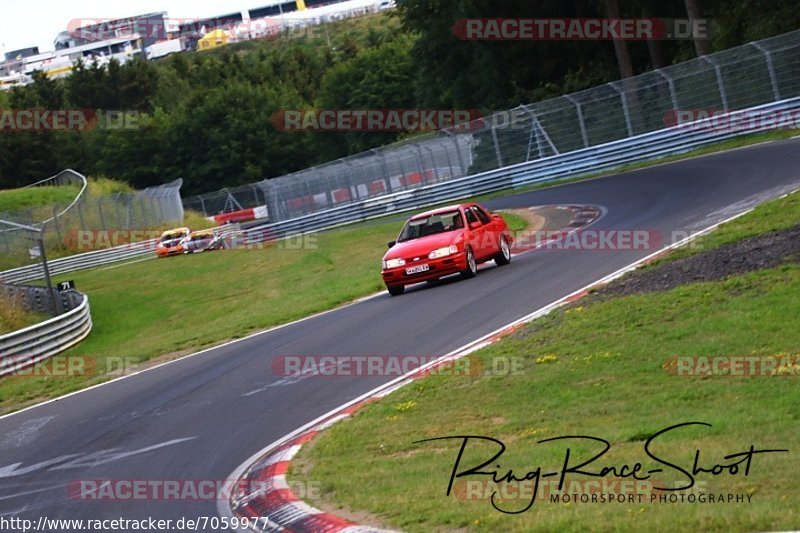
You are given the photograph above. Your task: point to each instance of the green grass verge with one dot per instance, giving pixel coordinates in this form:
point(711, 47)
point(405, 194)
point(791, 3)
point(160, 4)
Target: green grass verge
point(14, 316)
point(19, 199)
point(597, 369)
point(514, 221)
point(178, 304)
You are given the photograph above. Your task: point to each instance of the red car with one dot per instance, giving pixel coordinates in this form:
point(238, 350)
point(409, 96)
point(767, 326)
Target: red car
point(445, 241)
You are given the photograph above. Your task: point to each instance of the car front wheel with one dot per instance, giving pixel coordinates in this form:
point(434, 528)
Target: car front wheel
point(396, 290)
point(503, 257)
point(472, 266)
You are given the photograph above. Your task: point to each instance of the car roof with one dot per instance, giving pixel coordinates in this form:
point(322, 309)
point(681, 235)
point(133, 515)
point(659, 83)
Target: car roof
point(176, 230)
point(440, 210)
point(203, 232)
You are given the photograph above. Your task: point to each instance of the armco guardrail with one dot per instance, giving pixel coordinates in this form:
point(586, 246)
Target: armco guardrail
point(36, 343)
point(81, 261)
point(645, 147)
point(125, 252)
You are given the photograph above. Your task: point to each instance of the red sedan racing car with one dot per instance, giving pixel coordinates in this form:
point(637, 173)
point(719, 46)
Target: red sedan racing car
point(445, 241)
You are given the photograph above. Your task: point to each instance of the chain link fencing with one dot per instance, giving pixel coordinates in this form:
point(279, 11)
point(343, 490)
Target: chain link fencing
point(738, 78)
point(61, 224)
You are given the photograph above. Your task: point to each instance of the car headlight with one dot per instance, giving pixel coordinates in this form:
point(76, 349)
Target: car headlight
point(394, 263)
point(443, 252)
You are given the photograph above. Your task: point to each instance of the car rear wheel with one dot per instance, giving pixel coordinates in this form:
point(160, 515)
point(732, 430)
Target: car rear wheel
point(472, 266)
point(396, 290)
point(503, 257)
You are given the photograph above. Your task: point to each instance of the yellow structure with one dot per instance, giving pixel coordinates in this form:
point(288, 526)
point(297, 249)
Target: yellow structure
point(213, 39)
point(301, 5)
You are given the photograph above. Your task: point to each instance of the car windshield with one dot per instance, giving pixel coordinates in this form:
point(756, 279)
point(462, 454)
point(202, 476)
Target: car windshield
point(171, 237)
point(437, 223)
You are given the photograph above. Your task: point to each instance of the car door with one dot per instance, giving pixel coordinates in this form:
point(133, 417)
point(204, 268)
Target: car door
point(491, 235)
point(475, 232)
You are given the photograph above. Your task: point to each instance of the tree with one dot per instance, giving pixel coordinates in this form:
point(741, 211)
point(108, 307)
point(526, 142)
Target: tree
point(376, 78)
point(701, 45)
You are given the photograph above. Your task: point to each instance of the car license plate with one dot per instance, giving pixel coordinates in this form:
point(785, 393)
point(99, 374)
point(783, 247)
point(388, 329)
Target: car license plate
point(417, 269)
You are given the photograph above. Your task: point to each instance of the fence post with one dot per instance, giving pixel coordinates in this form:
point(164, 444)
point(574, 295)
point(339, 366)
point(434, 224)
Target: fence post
point(100, 212)
point(386, 177)
point(671, 84)
point(497, 148)
point(118, 199)
point(581, 122)
point(534, 134)
point(55, 223)
point(624, 108)
point(80, 213)
point(449, 160)
point(718, 71)
point(255, 195)
point(771, 69)
point(433, 162)
point(420, 162)
point(461, 165)
point(540, 131)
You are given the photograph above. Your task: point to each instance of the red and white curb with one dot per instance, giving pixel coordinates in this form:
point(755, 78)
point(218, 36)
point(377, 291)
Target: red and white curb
point(263, 495)
point(583, 216)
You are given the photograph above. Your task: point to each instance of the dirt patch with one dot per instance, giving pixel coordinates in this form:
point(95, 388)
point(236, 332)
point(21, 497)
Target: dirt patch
point(544, 218)
point(756, 253)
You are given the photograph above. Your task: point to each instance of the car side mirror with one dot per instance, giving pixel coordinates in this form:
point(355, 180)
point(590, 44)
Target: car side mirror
point(474, 225)
point(392, 243)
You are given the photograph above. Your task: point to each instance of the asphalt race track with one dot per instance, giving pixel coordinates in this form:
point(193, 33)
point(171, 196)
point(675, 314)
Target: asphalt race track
point(200, 417)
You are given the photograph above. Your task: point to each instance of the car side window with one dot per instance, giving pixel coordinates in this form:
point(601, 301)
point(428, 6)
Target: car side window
point(470, 216)
point(484, 218)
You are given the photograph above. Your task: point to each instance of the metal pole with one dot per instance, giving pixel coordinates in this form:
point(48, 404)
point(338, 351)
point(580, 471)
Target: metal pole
point(718, 71)
point(624, 108)
point(46, 269)
point(541, 131)
point(433, 162)
point(671, 84)
point(497, 148)
point(581, 122)
point(771, 69)
point(449, 161)
point(461, 165)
